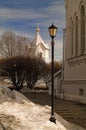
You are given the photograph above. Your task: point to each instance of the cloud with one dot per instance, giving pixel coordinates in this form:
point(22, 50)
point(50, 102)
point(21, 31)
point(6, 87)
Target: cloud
point(23, 18)
point(19, 13)
point(45, 15)
point(54, 11)
point(2, 30)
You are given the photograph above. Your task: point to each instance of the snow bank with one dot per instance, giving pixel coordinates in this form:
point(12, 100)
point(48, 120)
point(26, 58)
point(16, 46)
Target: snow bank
point(5, 94)
point(19, 113)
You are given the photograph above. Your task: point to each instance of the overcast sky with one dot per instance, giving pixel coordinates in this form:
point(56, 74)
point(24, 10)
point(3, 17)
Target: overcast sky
point(22, 17)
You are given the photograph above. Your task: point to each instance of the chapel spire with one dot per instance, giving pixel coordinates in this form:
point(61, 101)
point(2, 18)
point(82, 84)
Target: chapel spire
point(37, 29)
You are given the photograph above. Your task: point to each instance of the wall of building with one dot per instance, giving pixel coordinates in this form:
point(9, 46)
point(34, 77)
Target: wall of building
point(75, 90)
point(74, 64)
point(57, 86)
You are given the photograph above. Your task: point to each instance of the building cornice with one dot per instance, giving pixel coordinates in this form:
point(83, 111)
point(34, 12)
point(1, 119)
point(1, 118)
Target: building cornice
point(77, 60)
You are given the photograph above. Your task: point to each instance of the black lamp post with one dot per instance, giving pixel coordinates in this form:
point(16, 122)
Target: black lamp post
point(52, 31)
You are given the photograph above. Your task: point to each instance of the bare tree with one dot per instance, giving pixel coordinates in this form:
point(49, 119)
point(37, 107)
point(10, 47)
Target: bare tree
point(46, 73)
point(12, 45)
point(14, 69)
point(7, 44)
point(33, 71)
point(22, 69)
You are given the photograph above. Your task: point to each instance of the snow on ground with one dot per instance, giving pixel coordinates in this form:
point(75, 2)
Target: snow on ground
point(19, 113)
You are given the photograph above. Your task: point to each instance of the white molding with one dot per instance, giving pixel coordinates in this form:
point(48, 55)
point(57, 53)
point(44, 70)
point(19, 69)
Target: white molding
point(77, 60)
point(75, 98)
point(78, 81)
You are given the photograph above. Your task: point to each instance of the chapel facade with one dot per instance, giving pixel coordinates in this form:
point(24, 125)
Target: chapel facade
point(39, 48)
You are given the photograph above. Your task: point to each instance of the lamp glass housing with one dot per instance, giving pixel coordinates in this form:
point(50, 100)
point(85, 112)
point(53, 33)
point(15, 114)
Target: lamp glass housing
point(52, 30)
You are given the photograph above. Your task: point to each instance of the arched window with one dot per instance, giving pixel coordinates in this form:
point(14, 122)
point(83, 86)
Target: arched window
point(76, 35)
point(82, 12)
point(40, 55)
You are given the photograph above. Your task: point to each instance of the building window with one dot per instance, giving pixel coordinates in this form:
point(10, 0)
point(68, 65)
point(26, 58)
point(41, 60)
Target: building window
point(40, 55)
point(81, 92)
point(82, 12)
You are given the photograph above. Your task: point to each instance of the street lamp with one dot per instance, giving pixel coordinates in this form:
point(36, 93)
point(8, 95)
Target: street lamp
point(52, 31)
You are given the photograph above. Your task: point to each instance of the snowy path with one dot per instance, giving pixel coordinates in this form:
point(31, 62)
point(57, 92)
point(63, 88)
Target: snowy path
point(19, 113)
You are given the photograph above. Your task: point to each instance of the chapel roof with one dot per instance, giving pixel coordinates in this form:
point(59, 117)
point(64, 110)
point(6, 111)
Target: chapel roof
point(38, 40)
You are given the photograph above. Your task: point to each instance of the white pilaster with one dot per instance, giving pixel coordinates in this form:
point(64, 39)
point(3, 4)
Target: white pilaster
point(71, 33)
point(68, 44)
point(74, 40)
point(85, 35)
point(79, 39)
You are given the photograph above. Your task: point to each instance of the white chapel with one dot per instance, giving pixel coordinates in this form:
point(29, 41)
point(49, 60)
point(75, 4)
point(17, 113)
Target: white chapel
point(39, 47)
point(74, 59)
